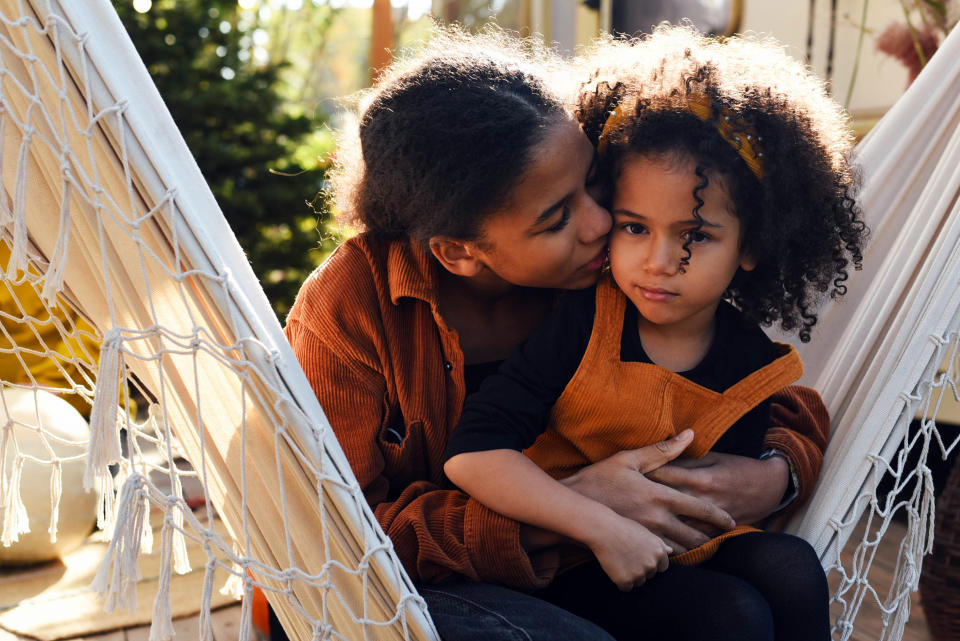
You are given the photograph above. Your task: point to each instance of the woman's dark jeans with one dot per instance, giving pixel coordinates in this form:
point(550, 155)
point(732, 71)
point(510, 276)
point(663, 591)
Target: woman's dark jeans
point(467, 611)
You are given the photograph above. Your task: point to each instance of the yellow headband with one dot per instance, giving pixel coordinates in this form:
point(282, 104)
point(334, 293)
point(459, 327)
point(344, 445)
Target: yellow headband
point(736, 131)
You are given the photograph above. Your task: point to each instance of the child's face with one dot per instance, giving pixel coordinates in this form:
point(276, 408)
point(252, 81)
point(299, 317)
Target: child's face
point(652, 218)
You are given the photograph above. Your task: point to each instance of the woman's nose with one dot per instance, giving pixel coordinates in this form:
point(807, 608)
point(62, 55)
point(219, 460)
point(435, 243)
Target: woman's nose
point(596, 221)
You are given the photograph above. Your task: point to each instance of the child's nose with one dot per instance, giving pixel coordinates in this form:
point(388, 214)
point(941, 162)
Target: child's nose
point(662, 258)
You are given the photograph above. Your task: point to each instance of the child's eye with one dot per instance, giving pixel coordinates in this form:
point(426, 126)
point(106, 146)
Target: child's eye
point(634, 229)
point(695, 236)
point(564, 219)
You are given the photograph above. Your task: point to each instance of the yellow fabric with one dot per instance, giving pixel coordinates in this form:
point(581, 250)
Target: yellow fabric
point(736, 131)
point(35, 351)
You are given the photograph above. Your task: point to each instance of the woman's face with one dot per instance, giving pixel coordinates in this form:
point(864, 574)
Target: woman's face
point(551, 233)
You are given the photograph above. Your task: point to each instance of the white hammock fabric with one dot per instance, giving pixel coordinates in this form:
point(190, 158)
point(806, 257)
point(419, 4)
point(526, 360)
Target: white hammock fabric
point(108, 218)
point(890, 350)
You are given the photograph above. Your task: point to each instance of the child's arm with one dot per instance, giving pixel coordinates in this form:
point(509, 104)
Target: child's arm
point(508, 482)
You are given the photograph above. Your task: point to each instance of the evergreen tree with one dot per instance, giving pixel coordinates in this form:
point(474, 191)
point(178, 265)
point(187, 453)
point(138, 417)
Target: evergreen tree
point(203, 57)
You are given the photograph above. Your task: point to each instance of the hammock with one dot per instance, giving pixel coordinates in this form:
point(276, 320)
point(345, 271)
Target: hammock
point(114, 236)
point(890, 351)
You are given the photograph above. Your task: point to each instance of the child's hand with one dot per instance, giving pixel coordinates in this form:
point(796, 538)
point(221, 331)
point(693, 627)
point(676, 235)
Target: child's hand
point(628, 552)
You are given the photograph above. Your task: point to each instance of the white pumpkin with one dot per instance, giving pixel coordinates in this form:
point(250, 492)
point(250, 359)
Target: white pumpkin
point(67, 435)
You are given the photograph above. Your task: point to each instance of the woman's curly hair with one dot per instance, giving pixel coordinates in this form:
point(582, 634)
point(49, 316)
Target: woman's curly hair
point(445, 134)
point(800, 222)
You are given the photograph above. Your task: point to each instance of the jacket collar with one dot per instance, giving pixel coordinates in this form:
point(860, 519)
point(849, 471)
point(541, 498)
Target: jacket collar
point(412, 272)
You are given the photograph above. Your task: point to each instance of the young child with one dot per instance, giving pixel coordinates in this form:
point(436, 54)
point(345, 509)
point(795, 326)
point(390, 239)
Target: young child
point(732, 205)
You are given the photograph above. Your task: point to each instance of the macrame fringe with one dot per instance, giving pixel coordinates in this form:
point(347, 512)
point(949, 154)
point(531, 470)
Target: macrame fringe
point(246, 615)
point(15, 518)
point(233, 586)
point(146, 538)
point(181, 560)
point(18, 253)
point(53, 278)
point(56, 492)
point(6, 214)
point(161, 626)
point(206, 627)
point(106, 505)
point(118, 572)
point(104, 430)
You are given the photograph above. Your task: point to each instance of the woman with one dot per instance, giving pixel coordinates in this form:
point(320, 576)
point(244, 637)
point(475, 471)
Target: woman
point(470, 178)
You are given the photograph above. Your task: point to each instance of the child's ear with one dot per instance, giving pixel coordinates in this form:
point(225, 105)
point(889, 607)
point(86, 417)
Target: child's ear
point(459, 257)
point(747, 263)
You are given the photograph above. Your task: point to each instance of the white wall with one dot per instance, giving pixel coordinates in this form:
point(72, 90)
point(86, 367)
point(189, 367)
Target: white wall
point(880, 79)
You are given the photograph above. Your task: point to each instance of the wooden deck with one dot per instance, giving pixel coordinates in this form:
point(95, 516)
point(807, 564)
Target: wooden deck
point(226, 621)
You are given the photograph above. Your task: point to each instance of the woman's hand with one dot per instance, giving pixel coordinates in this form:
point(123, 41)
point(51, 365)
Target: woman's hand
point(628, 552)
point(747, 489)
point(620, 482)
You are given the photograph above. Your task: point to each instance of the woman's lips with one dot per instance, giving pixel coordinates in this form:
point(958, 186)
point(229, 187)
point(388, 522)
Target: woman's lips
point(597, 262)
point(657, 294)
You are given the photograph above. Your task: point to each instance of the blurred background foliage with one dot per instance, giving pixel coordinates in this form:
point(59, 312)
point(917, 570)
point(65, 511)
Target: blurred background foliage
point(259, 137)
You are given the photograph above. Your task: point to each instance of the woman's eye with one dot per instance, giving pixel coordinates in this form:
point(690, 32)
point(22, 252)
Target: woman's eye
point(564, 219)
point(634, 229)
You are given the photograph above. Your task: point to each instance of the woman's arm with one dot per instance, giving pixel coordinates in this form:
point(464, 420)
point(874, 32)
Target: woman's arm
point(511, 484)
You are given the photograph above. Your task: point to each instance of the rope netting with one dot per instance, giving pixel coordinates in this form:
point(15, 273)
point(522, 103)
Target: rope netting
point(129, 296)
point(125, 294)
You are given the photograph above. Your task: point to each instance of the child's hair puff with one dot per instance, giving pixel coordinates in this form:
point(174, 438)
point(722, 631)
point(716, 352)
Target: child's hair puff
point(445, 133)
point(800, 220)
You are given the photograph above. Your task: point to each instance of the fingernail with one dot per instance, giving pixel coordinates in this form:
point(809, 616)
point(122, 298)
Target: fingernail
point(682, 435)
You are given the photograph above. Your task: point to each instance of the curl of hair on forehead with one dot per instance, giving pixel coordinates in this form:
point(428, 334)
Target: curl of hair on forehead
point(799, 217)
point(446, 133)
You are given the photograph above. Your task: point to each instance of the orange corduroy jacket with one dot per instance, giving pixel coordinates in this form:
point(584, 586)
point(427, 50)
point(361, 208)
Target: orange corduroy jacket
point(388, 372)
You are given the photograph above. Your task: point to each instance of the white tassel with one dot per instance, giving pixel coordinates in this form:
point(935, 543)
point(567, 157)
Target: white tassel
point(246, 614)
point(104, 431)
point(146, 538)
point(106, 505)
point(161, 627)
point(53, 278)
point(927, 514)
point(119, 572)
point(5, 439)
point(206, 628)
point(233, 586)
point(18, 253)
point(15, 518)
point(6, 215)
point(181, 560)
point(56, 492)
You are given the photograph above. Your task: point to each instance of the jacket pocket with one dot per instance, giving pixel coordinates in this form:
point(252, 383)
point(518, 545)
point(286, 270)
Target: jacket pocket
point(405, 454)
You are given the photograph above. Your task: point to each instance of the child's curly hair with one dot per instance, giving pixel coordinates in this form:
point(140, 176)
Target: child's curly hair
point(800, 221)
